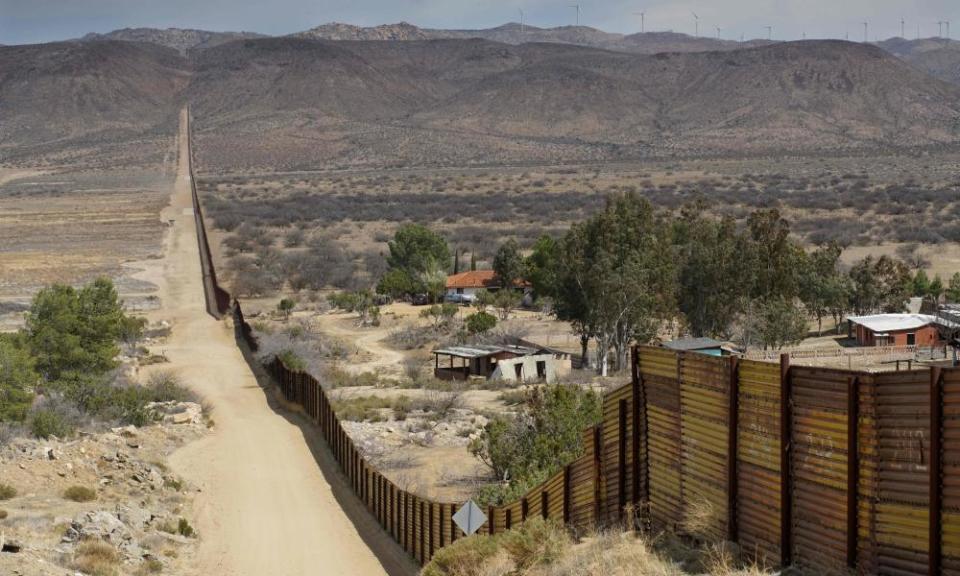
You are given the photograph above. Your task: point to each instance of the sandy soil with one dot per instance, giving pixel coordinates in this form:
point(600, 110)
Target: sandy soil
point(271, 501)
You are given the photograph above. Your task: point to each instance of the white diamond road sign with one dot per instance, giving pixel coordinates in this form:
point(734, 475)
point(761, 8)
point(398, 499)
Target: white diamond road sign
point(470, 518)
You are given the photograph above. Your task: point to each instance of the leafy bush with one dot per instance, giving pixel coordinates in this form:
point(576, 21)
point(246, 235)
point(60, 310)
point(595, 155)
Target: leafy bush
point(50, 421)
point(292, 360)
point(7, 491)
point(543, 436)
point(480, 322)
point(80, 494)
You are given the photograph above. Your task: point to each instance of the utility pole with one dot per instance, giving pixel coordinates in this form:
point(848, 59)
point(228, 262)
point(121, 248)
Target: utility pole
point(577, 6)
point(718, 32)
point(903, 25)
point(696, 24)
point(769, 32)
point(940, 33)
point(522, 26)
point(865, 35)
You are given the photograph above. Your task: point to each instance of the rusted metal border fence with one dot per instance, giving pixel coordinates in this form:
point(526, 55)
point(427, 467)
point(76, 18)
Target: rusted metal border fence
point(218, 299)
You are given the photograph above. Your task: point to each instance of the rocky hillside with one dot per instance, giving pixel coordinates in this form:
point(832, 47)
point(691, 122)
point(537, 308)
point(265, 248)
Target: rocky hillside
point(295, 102)
point(181, 40)
point(938, 57)
point(73, 98)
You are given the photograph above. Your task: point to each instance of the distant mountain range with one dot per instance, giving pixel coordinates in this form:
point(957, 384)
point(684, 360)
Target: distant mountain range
point(513, 33)
point(183, 41)
point(305, 101)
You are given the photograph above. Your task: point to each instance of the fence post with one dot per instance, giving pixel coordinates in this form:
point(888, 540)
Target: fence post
point(490, 514)
point(637, 399)
point(423, 533)
point(544, 504)
point(621, 459)
point(597, 472)
point(431, 530)
point(733, 425)
point(786, 478)
point(524, 509)
point(453, 526)
point(936, 439)
point(853, 468)
point(566, 494)
point(508, 520)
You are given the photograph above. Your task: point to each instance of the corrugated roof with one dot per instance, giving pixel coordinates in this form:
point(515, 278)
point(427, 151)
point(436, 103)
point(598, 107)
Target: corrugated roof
point(693, 344)
point(893, 322)
point(481, 350)
point(472, 279)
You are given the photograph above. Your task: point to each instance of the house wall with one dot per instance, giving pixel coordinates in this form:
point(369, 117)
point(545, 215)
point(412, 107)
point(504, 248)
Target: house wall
point(925, 336)
point(506, 368)
point(468, 291)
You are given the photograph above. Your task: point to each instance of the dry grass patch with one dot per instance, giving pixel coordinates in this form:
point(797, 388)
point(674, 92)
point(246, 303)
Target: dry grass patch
point(80, 494)
point(96, 558)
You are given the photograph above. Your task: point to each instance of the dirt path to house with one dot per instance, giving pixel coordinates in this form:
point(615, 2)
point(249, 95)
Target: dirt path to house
point(376, 355)
point(271, 501)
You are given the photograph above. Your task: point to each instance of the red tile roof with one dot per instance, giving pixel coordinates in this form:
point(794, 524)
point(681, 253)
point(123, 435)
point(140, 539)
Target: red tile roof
point(472, 279)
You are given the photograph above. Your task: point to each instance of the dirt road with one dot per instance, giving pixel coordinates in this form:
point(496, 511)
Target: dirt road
point(271, 500)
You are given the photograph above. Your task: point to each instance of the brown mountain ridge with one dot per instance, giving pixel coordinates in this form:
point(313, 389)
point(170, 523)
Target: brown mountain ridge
point(293, 103)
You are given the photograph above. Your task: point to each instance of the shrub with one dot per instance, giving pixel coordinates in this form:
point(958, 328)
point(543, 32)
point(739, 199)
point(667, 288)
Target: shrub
point(535, 542)
point(292, 360)
point(465, 557)
point(185, 529)
point(7, 491)
point(150, 566)
point(480, 322)
point(96, 558)
point(3, 514)
point(47, 422)
point(166, 386)
point(80, 494)
point(544, 435)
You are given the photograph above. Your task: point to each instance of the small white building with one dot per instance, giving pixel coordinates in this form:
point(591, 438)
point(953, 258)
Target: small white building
point(467, 284)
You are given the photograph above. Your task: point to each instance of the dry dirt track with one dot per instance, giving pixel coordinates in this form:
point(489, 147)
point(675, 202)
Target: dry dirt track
point(272, 502)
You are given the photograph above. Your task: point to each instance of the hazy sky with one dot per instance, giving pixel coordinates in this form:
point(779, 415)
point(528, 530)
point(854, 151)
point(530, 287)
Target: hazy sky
point(25, 21)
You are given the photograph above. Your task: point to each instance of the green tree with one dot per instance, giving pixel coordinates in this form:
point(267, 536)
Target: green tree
point(936, 288)
point(508, 264)
point(473, 261)
point(541, 267)
point(416, 249)
point(17, 378)
point(780, 323)
point(359, 301)
point(921, 284)
point(711, 283)
point(880, 285)
point(823, 289)
point(440, 314)
point(396, 283)
point(774, 261)
point(286, 306)
point(616, 277)
point(480, 322)
point(69, 330)
point(953, 289)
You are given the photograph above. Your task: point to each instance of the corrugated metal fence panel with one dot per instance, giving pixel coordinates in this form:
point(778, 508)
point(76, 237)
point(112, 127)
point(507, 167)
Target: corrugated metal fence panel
point(659, 370)
point(950, 519)
point(613, 487)
point(582, 487)
point(902, 499)
point(704, 422)
point(819, 467)
point(758, 460)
